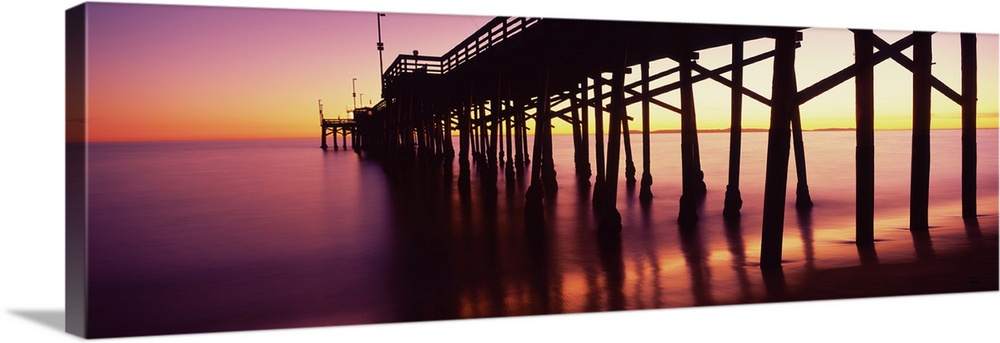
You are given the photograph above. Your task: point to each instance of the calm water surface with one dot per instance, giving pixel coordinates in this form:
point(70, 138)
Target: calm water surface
point(208, 236)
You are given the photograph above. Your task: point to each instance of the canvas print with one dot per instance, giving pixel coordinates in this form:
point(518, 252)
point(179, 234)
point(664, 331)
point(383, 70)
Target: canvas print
point(246, 169)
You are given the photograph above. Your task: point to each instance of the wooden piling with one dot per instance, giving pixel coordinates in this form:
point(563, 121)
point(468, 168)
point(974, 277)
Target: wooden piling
point(611, 219)
point(322, 136)
point(865, 151)
point(776, 174)
point(491, 156)
point(548, 165)
point(585, 131)
point(803, 201)
point(335, 146)
point(499, 142)
point(578, 156)
point(484, 138)
point(473, 132)
point(496, 107)
point(688, 213)
point(629, 163)
point(734, 201)
point(509, 167)
point(519, 144)
point(599, 141)
point(969, 94)
point(524, 138)
point(533, 196)
point(921, 149)
point(484, 135)
point(464, 130)
point(449, 146)
point(645, 192)
point(542, 150)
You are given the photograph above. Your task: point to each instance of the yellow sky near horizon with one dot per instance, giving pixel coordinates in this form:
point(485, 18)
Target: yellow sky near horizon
point(824, 52)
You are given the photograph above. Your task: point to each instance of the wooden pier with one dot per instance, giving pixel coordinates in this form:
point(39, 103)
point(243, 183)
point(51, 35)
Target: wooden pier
point(516, 75)
point(342, 126)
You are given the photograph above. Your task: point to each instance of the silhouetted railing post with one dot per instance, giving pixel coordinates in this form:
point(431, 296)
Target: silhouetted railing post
point(921, 150)
point(689, 129)
point(734, 200)
point(865, 150)
point(776, 178)
point(611, 219)
point(645, 193)
point(599, 140)
point(969, 94)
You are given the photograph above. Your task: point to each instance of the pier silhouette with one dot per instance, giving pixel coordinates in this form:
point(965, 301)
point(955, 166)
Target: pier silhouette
point(518, 75)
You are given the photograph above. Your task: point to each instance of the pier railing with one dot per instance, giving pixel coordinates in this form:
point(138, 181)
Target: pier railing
point(337, 121)
point(493, 33)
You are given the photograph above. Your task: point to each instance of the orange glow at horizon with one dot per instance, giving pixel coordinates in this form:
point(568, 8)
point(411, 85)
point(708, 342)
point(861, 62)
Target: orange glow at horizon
point(208, 73)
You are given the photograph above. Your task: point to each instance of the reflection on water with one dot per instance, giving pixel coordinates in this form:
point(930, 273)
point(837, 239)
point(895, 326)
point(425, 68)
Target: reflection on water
point(208, 236)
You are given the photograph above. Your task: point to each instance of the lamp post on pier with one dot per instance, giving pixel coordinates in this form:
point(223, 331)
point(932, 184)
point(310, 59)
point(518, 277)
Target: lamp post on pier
point(380, 47)
point(354, 91)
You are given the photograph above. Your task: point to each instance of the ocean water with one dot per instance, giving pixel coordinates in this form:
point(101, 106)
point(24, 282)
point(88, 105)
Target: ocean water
point(236, 235)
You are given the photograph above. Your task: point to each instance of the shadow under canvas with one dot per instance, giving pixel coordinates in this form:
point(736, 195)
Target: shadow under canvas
point(54, 319)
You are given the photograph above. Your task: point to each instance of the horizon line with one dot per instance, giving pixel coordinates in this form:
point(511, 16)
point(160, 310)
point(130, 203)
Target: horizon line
point(660, 131)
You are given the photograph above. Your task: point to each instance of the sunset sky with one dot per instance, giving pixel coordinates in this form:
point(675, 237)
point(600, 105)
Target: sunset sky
point(191, 72)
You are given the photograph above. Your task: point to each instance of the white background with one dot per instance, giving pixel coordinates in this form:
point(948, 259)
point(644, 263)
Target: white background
point(32, 186)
